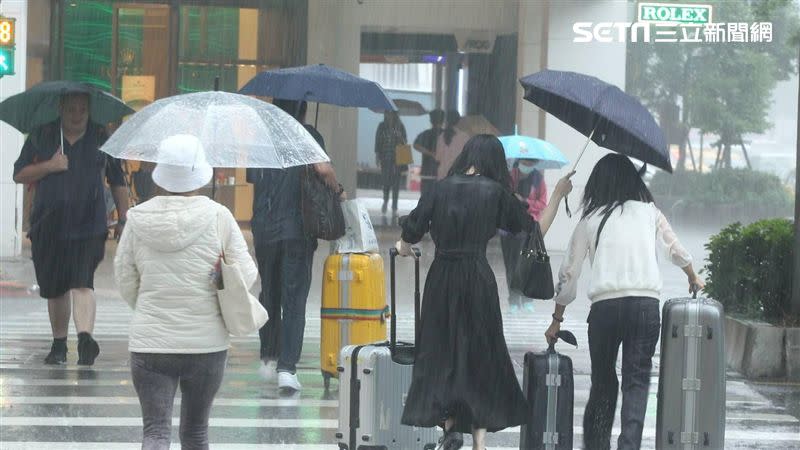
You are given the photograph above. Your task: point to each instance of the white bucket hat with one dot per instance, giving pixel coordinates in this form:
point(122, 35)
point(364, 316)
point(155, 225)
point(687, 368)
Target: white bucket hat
point(182, 164)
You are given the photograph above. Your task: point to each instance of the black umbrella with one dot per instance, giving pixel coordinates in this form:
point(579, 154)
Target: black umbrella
point(39, 105)
point(601, 111)
point(321, 84)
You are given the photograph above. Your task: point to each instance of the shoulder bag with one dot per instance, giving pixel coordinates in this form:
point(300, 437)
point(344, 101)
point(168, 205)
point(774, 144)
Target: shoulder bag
point(241, 311)
point(533, 275)
point(322, 211)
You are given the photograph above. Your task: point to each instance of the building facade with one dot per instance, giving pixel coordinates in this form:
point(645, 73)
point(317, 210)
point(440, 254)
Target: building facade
point(148, 49)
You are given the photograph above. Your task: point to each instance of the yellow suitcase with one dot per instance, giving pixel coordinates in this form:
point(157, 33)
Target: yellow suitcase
point(354, 309)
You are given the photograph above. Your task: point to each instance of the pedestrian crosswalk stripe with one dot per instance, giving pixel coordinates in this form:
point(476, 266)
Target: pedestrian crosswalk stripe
point(265, 402)
point(319, 424)
point(305, 402)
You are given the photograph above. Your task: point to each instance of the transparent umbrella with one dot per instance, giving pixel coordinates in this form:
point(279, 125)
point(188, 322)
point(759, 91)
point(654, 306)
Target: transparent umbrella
point(235, 130)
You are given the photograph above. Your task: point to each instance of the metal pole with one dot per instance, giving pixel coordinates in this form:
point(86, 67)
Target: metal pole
point(214, 170)
point(796, 278)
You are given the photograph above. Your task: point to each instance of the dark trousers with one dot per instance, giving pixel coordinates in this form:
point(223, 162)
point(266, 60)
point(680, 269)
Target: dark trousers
point(634, 323)
point(511, 244)
point(156, 377)
point(390, 173)
point(285, 270)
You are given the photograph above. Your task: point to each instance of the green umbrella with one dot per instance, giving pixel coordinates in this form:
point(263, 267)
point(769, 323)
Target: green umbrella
point(39, 105)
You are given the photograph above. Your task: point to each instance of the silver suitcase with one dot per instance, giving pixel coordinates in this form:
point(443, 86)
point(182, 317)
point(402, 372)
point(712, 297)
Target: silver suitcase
point(373, 384)
point(691, 384)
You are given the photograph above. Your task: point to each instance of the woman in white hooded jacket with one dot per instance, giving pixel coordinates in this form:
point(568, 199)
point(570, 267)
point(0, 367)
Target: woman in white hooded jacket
point(165, 268)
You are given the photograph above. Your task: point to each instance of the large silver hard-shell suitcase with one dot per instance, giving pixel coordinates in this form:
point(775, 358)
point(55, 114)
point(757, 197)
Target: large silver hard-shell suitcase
point(691, 385)
point(373, 384)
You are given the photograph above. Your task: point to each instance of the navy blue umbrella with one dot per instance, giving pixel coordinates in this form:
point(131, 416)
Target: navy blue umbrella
point(601, 111)
point(319, 83)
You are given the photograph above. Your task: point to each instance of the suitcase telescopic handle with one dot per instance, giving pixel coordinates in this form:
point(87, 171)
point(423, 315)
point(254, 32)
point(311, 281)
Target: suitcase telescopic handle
point(393, 253)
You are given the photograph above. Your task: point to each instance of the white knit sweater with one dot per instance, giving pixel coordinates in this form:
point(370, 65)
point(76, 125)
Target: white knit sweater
point(625, 264)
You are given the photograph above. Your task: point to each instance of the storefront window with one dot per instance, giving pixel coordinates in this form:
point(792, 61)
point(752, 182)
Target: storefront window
point(87, 42)
point(217, 42)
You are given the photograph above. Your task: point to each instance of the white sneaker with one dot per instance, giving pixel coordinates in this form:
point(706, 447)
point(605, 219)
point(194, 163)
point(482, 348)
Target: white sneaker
point(269, 371)
point(288, 381)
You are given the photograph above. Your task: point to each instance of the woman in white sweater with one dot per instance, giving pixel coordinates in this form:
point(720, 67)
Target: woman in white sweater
point(165, 270)
point(621, 232)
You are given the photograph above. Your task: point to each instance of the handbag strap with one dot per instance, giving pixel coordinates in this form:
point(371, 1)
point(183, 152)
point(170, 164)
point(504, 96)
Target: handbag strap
point(602, 224)
point(220, 235)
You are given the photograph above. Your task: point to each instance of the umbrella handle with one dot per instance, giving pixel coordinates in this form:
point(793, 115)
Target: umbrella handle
point(61, 131)
point(586, 145)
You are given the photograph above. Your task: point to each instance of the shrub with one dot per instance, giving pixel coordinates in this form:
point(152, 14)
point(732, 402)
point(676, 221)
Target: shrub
point(750, 268)
point(744, 187)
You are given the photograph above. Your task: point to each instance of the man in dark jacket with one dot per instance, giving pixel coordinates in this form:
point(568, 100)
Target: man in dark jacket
point(425, 143)
point(284, 254)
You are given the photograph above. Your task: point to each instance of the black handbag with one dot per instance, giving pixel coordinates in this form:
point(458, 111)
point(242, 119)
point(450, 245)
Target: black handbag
point(322, 211)
point(533, 275)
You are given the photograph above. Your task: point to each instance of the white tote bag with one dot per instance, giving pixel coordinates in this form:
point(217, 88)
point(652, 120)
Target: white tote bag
point(241, 311)
point(359, 236)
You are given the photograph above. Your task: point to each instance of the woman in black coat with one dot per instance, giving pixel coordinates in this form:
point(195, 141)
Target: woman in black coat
point(463, 377)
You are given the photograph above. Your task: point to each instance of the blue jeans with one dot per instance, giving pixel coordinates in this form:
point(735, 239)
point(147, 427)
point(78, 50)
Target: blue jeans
point(634, 323)
point(156, 377)
point(285, 270)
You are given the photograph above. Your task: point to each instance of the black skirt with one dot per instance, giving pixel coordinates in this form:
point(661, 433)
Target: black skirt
point(64, 264)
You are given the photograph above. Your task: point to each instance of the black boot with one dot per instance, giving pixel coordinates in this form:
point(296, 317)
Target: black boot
point(88, 349)
point(58, 352)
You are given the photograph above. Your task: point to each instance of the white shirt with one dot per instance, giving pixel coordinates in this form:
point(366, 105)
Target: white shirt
point(625, 263)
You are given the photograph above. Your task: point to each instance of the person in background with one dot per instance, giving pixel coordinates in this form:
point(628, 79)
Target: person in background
point(463, 377)
point(388, 136)
point(620, 232)
point(529, 187)
point(450, 144)
point(425, 143)
point(284, 254)
point(165, 267)
point(68, 223)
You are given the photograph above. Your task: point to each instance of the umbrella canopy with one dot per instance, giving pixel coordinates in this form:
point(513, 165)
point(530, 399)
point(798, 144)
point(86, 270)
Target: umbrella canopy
point(476, 124)
point(526, 147)
point(319, 83)
point(405, 108)
point(39, 105)
point(235, 130)
point(601, 111)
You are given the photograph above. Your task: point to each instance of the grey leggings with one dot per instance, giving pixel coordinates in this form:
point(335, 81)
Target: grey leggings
point(156, 377)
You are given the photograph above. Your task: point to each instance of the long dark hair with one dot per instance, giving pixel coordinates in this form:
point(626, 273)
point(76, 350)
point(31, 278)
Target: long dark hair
point(485, 153)
point(613, 182)
point(452, 120)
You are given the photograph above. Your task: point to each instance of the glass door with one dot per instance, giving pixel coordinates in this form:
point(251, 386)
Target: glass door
point(140, 53)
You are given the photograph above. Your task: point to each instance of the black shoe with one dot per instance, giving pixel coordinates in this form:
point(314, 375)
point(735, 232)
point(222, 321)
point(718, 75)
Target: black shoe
point(58, 353)
point(452, 440)
point(88, 349)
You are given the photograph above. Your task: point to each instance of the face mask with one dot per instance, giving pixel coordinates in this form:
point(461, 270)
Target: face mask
point(526, 170)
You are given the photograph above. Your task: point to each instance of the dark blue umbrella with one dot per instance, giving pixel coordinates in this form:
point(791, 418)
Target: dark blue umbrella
point(601, 111)
point(321, 84)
